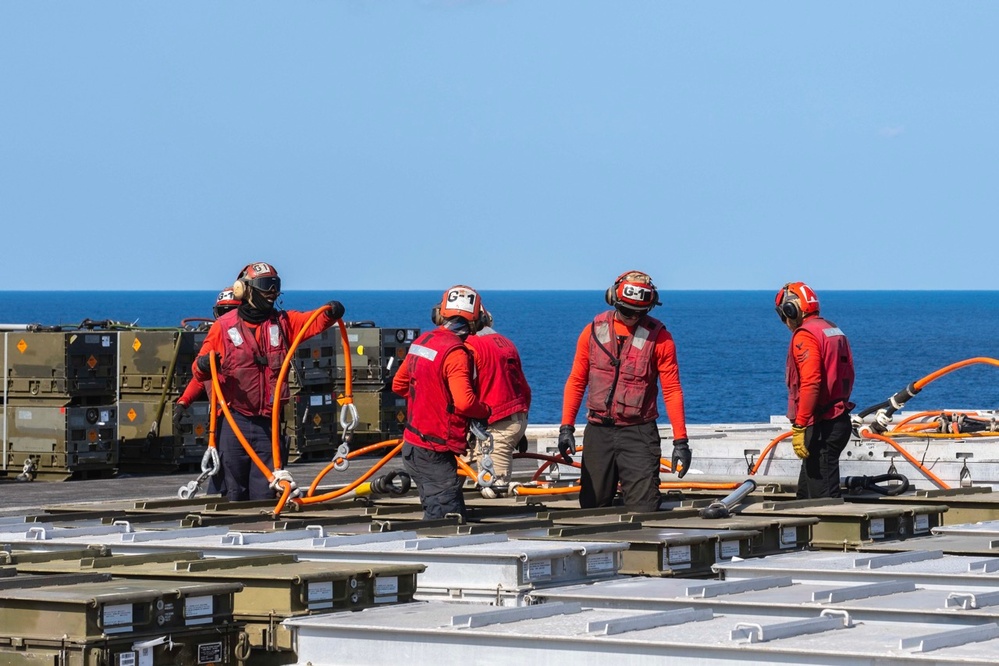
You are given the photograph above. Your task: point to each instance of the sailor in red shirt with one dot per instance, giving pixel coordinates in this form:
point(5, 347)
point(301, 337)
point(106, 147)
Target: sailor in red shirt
point(195, 390)
point(620, 358)
point(499, 377)
point(819, 373)
point(250, 344)
point(436, 380)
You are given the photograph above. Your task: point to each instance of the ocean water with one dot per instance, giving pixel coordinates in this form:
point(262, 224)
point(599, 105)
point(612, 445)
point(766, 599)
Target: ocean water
point(730, 344)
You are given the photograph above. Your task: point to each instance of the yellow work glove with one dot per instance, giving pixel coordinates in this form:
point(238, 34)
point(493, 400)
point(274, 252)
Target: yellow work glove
point(798, 441)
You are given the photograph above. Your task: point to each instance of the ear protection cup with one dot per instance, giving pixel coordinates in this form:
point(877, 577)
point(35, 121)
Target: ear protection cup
point(435, 315)
point(485, 319)
point(796, 300)
point(790, 310)
point(240, 289)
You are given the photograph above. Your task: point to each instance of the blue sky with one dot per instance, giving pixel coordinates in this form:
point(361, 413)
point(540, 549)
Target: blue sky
point(524, 144)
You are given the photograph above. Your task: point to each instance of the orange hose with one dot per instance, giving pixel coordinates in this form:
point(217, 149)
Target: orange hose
point(464, 469)
point(279, 384)
point(217, 388)
point(315, 499)
point(766, 451)
point(353, 454)
point(905, 454)
point(950, 368)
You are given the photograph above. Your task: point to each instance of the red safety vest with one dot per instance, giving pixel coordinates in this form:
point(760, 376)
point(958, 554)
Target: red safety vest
point(622, 387)
point(432, 421)
point(501, 381)
point(250, 366)
point(837, 372)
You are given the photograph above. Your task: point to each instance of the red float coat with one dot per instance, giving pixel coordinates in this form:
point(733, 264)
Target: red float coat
point(252, 355)
point(661, 362)
point(499, 374)
point(819, 372)
point(435, 379)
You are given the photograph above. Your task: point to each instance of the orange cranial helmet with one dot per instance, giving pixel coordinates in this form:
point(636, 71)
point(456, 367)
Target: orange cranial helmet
point(634, 292)
point(795, 301)
point(460, 302)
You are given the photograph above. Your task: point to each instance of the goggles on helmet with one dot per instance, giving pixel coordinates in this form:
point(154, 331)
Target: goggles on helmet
point(270, 283)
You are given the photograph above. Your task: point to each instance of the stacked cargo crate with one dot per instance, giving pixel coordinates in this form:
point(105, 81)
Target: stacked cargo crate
point(376, 354)
point(60, 417)
point(154, 369)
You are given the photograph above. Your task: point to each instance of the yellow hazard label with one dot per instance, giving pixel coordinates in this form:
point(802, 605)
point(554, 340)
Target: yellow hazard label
point(344, 400)
point(400, 416)
point(22, 345)
point(317, 419)
point(136, 344)
point(131, 415)
point(92, 362)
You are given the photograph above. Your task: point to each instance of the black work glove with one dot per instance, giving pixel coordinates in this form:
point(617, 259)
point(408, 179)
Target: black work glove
point(681, 456)
point(336, 310)
point(477, 424)
point(179, 410)
point(566, 443)
point(205, 364)
point(522, 445)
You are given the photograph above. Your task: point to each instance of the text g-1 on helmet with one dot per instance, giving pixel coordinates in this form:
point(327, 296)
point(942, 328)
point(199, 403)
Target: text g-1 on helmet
point(459, 301)
point(226, 301)
point(796, 300)
point(259, 275)
point(633, 290)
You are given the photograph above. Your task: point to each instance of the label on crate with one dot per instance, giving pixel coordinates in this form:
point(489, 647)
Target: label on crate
point(539, 569)
point(877, 530)
point(921, 523)
point(210, 653)
point(320, 594)
point(117, 618)
point(676, 557)
point(599, 562)
point(788, 537)
point(726, 550)
point(198, 610)
point(387, 590)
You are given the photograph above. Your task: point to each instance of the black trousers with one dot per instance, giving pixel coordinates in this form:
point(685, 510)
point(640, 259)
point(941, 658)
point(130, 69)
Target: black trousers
point(436, 477)
point(243, 481)
point(819, 475)
point(628, 455)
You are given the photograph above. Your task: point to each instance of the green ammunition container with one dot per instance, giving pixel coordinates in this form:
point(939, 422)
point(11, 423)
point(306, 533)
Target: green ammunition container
point(119, 622)
point(61, 364)
point(61, 441)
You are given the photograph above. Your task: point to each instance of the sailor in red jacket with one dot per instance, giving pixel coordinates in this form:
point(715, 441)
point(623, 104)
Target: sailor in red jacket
point(250, 344)
point(819, 373)
point(195, 390)
point(436, 380)
point(501, 384)
point(621, 358)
